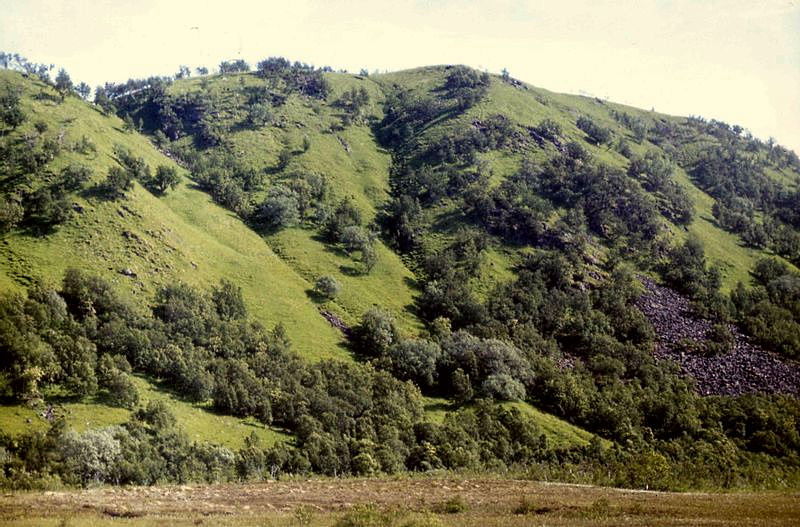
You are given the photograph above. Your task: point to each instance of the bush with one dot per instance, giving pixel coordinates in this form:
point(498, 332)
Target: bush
point(166, 178)
point(597, 134)
point(11, 214)
point(527, 506)
point(376, 333)
point(549, 129)
point(74, 177)
point(117, 182)
point(327, 287)
point(453, 505)
point(719, 340)
point(280, 209)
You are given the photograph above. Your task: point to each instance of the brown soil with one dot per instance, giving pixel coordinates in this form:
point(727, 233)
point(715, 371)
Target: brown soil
point(487, 502)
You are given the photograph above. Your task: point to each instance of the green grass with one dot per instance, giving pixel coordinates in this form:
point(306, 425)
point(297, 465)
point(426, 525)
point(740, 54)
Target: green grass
point(354, 166)
point(183, 236)
point(389, 284)
point(197, 419)
point(558, 432)
point(528, 107)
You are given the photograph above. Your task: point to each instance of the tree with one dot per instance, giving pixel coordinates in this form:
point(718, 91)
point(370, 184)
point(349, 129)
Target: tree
point(102, 100)
point(166, 178)
point(63, 83)
point(597, 134)
point(284, 157)
point(92, 455)
point(327, 287)
point(369, 257)
point(117, 182)
point(183, 72)
point(280, 209)
point(376, 333)
point(84, 90)
point(201, 70)
point(11, 214)
point(228, 301)
point(233, 66)
point(10, 110)
point(354, 238)
point(415, 359)
point(128, 124)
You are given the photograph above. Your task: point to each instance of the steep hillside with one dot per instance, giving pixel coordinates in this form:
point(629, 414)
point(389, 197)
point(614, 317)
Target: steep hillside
point(347, 159)
point(526, 107)
point(182, 236)
point(478, 257)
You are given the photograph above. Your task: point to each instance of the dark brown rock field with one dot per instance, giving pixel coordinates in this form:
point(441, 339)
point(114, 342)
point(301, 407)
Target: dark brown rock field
point(746, 368)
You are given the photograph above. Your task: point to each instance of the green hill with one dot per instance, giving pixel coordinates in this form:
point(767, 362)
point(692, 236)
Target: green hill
point(479, 240)
point(183, 236)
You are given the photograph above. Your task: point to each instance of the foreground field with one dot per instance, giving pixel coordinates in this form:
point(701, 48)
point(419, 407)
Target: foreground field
point(395, 502)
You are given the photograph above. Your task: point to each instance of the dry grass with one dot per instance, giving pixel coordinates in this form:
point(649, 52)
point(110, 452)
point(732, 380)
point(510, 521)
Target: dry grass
point(403, 501)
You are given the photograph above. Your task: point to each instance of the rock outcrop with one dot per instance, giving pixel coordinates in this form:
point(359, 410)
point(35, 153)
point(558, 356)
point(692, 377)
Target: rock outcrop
point(746, 368)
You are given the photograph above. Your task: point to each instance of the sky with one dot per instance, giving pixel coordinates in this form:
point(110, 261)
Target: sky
point(732, 60)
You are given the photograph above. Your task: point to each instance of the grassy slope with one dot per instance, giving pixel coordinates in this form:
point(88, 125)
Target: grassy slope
point(185, 229)
point(196, 419)
point(528, 107)
point(558, 431)
point(182, 236)
point(355, 167)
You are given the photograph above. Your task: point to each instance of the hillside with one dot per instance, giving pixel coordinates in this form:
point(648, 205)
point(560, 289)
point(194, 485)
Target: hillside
point(428, 269)
point(181, 236)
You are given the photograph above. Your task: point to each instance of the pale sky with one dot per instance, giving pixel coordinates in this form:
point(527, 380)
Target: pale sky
point(734, 60)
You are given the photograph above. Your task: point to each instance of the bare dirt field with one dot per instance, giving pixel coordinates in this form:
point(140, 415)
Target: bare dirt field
point(402, 502)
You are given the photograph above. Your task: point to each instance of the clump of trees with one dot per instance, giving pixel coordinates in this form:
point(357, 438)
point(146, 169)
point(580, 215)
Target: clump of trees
point(656, 174)
point(297, 76)
point(597, 133)
point(233, 66)
point(770, 309)
point(466, 86)
point(353, 103)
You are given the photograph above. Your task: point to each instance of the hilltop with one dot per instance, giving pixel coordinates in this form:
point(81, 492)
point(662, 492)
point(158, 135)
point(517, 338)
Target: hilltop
point(426, 269)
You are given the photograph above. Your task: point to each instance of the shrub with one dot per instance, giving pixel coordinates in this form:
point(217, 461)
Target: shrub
point(327, 287)
point(376, 333)
point(73, 177)
point(719, 340)
point(527, 506)
point(117, 182)
point(597, 134)
point(452, 505)
point(11, 214)
point(280, 209)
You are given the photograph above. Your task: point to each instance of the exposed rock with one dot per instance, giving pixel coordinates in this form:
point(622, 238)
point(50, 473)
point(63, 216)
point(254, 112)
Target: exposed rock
point(746, 368)
point(128, 272)
point(344, 143)
point(336, 322)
